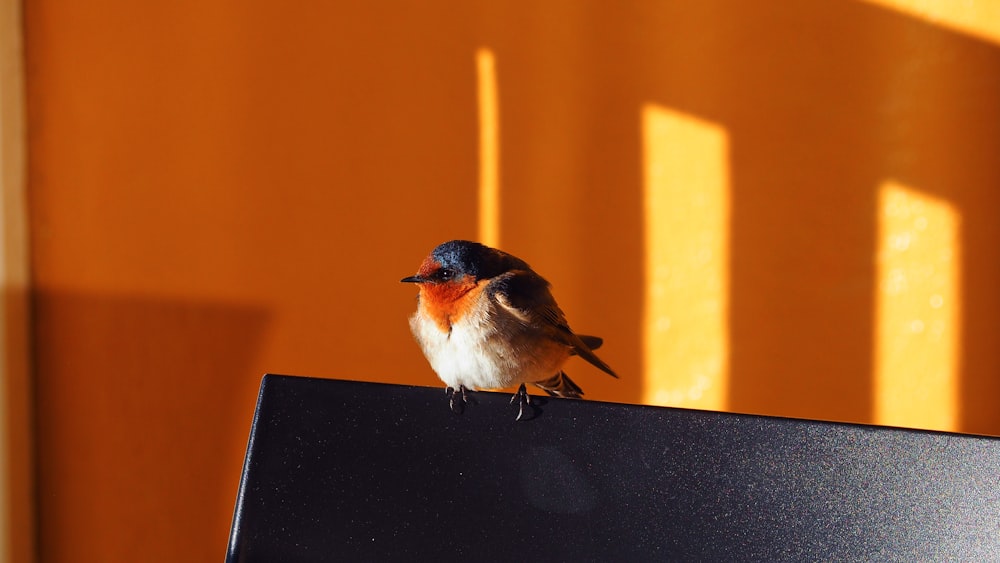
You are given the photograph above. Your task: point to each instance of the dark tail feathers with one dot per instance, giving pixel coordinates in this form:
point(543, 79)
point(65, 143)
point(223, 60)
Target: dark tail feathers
point(560, 385)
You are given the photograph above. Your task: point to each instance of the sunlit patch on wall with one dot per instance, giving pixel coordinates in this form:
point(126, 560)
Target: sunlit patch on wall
point(686, 197)
point(980, 19)
point(489, 148)
point(918, 313)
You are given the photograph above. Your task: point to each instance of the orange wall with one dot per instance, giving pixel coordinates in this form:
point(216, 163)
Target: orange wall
point(220, 190)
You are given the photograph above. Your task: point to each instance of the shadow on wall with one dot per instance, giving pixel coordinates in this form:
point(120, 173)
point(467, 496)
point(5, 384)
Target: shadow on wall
point(156, 391)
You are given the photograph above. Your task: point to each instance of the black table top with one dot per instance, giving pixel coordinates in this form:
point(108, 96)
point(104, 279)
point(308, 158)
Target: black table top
point(341, 470)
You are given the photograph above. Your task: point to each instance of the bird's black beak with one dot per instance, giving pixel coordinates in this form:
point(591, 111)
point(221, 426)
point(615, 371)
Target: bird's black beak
point(413, 279)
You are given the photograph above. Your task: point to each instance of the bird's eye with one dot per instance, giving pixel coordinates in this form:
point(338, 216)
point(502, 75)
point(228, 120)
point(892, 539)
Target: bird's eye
point(445, 274)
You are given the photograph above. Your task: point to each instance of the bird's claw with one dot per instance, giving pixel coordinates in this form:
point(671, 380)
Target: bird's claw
point(523, 398)
point(461, 394)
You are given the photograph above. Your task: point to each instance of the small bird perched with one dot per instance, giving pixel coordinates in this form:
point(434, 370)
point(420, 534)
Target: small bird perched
point(486, 320)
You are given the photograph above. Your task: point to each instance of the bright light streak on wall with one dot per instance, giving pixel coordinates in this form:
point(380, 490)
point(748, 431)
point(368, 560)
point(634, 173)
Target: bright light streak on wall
point(980, 18)
point(686, 331)
point(489, 148)
point(918, 311)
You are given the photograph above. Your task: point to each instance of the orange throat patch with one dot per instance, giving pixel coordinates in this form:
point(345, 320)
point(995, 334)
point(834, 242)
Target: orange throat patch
point(448, 303)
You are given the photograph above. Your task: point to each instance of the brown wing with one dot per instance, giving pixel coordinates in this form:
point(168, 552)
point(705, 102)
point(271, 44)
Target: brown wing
point(526, 295)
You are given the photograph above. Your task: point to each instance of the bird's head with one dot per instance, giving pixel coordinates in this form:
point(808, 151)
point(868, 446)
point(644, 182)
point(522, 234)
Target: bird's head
point(462, 262)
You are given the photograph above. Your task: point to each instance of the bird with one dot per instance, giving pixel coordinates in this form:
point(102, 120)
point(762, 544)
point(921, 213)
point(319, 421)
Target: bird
point(486, 320)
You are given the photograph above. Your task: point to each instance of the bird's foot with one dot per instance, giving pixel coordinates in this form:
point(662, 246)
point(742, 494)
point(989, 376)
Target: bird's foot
point(523, 398)
point(457, 399)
